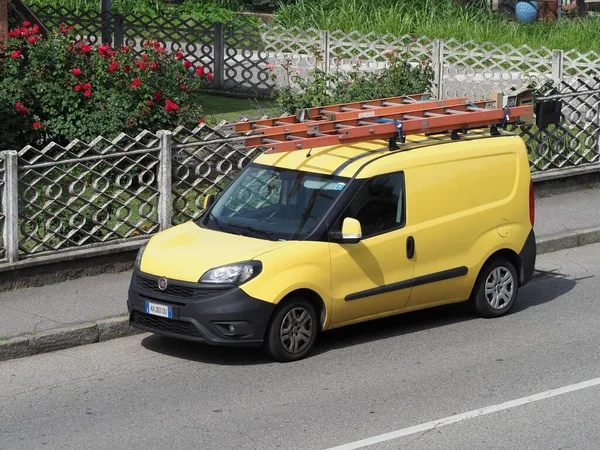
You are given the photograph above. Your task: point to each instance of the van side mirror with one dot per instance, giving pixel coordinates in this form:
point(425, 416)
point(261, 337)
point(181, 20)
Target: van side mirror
point(208, 201)
point(351, 232)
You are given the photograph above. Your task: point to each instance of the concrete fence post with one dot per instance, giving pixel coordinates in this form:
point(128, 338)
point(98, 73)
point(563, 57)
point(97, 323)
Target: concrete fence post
point(325, 50)
point(557, 66)
point(10, 201)
point(164, 179)
point(219, 56)
point(437, 59)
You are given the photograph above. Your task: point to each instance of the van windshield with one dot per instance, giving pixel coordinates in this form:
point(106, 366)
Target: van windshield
point(274, 203)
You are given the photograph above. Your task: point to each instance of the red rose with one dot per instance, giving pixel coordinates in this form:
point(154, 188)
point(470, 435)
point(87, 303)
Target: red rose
point(105, 51)
point(142, 65)
point(86, 48)
point(126, 68)
point(26, 24)
point(125, 49)
point(187, 64)
point(160, 50)
point(171, 106)
point(179, 55)
point(136, 83)
point(114, 66)
point(36, 28)
point(157, 95)
point(16, 54)
point(87, 86)
point(183, 87)
point(76, 71)
point(200, 71)
point(153, 66)
point(145, 57)
point(209, 76)
point(18, 105)
point(77, 87)
point(23, 111)
point(36, 125)
point(87, 93)
point(201, 121)
point(31, 40)
point(149, 103)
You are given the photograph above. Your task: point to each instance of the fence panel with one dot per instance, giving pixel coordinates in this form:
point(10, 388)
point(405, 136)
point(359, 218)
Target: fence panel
point(193, 38)
point(200, 169)
point(87, 193)
point(474, 70)
point(292, 51)
point(581, 65)
point(368, 51)
point(245, 60)
point(87, 24)
point(576, 140)
point(2, 207)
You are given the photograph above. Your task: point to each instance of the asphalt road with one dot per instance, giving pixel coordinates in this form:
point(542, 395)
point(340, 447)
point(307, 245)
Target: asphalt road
point(415, 370)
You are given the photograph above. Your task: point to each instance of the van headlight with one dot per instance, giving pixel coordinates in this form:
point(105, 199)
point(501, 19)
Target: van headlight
point(138, 258)
point(233, 273)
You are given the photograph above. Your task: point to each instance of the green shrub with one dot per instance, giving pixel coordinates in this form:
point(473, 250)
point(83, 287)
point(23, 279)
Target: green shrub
point(321, 88)
point(60, 88)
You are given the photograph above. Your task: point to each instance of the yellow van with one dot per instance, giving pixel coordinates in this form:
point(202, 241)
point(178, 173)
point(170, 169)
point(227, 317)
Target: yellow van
point(302, 243)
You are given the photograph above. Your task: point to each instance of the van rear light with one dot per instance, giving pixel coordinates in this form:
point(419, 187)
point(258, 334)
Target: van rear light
point(531, 203)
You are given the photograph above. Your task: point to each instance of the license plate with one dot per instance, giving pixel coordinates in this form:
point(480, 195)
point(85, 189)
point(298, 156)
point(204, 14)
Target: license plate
point(159, 310)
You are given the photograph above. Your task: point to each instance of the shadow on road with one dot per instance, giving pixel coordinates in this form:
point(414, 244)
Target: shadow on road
point(208, 354)
point(544, 289)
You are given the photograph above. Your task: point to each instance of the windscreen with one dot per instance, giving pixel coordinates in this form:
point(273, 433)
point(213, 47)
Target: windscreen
point(274, 203)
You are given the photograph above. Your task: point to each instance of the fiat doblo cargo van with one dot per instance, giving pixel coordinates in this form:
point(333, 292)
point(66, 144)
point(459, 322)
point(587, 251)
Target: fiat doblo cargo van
point(298, 244)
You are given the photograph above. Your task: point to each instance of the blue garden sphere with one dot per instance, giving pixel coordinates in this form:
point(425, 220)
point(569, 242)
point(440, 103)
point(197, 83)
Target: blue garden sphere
point(527, 11)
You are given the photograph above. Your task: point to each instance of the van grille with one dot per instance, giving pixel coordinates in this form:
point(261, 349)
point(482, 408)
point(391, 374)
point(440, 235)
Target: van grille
point(172, 289)
point(167, 325)
point(176, 290)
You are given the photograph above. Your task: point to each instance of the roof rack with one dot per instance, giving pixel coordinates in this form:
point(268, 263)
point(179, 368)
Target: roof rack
point(387, 118)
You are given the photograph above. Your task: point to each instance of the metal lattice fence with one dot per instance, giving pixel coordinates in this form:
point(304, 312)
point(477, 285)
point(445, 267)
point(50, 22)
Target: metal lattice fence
point(199, 169)
point(576, 140)
point(87, 193)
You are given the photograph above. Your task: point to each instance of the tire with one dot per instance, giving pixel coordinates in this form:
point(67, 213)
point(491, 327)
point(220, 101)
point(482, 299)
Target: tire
point(292, 331)
point(496, 289)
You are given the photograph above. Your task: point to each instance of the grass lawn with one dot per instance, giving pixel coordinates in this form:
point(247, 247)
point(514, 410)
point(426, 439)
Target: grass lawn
point(442, 19)
point(232, 109)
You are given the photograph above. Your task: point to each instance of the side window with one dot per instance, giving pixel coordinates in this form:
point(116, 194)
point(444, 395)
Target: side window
point(378, 205)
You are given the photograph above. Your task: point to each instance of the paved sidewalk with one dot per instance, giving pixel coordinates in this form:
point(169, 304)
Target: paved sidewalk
point(76, 308)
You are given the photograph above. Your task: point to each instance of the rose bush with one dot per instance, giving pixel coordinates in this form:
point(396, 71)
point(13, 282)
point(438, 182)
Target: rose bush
point(62, 87)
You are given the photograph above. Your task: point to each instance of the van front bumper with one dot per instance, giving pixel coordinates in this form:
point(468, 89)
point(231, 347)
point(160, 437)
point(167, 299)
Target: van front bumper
point(217, 315)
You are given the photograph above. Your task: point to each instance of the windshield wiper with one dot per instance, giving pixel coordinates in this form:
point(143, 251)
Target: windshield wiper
point(267, 233)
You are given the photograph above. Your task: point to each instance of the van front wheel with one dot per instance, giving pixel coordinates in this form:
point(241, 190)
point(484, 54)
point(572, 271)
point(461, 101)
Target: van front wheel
point(292, 331)
point(496, 289)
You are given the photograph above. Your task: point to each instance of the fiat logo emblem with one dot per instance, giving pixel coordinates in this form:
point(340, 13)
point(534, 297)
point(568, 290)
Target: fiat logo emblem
point(162, 283)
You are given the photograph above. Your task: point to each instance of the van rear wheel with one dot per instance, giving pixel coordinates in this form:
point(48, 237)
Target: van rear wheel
point(496, 289)
point(292, 331)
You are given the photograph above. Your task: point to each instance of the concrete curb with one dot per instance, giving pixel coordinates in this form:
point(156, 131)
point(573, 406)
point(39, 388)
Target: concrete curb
point(571, 239)
point(68, 337)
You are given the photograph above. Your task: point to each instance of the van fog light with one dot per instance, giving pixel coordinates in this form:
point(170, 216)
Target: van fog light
point(233, 328)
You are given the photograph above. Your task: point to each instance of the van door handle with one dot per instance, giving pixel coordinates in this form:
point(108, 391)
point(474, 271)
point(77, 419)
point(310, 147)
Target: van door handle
point(410, 247)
